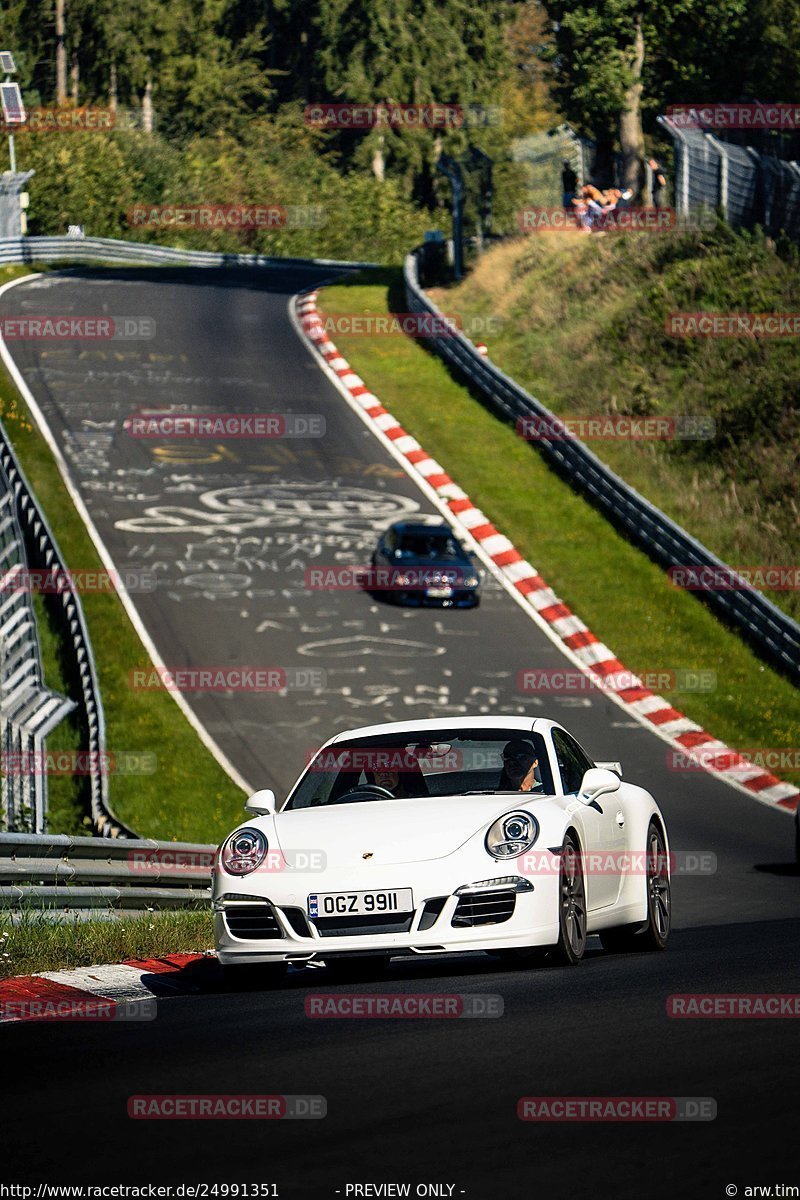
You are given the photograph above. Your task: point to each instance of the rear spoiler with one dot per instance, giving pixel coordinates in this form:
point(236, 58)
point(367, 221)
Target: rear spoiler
point(616, 767)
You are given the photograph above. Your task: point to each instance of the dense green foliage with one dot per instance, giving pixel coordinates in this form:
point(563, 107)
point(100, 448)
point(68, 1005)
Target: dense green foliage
point(229, 83)
point(751, 53)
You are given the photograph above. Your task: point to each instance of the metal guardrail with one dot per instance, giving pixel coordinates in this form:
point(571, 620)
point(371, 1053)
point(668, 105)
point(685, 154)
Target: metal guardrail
point(65, 873)
point(42, 552)
point(117, 252)
point(771, 631)
point(28, 709)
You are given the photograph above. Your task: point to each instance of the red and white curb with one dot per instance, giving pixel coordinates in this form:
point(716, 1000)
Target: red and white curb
point(594, 658)
point(118, 991)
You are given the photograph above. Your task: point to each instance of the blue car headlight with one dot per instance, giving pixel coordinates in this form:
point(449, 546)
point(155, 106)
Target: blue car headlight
point(244, 851)
point(512, 834)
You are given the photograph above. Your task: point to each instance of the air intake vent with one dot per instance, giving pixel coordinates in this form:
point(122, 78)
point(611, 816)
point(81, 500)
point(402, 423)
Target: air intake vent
point(485, 908)
point(254, 922)
point(361, 926)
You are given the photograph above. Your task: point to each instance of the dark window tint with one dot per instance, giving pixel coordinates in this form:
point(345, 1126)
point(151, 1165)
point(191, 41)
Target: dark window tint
point(573, 763)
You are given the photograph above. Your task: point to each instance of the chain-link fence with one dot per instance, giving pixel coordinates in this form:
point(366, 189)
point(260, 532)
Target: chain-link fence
point(748, 186)
point(542, 156)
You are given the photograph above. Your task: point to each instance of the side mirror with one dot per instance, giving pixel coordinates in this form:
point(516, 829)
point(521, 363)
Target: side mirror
point(261, 803)
point(597, 782)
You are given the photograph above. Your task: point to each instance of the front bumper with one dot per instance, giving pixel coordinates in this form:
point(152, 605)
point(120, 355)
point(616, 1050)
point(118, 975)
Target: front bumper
point(441, 921)
point(461, 598)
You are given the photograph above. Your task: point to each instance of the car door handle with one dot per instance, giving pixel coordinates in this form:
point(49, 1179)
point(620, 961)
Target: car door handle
point(620, 818)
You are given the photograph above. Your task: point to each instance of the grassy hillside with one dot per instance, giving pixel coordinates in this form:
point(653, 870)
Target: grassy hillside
point(582, 325)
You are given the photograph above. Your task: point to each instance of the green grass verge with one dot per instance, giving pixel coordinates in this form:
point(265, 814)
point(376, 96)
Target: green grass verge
point(582, 325)
point(188, 797)
point(622, 596)
point(41, 945)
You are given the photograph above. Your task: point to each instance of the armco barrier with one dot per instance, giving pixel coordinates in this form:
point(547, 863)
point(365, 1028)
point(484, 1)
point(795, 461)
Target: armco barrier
point(80, 873)
point(42, 552)
point(116, 252)
point(770, 631)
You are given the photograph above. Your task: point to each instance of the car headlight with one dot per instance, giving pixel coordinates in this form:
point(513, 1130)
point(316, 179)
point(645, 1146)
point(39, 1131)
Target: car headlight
point(471, 581)
point(512, 834)
point(244, 851)
point(402, 580)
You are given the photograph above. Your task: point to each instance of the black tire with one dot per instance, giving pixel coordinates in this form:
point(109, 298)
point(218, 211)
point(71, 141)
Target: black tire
point(249, 977)
point(357, 970)
point(655, 934)
point(571, 944)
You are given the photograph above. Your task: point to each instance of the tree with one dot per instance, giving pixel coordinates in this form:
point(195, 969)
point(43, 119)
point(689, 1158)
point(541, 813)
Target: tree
point(620, 62)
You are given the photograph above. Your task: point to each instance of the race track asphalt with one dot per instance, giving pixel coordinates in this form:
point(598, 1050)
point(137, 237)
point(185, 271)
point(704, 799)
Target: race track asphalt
point(229, 529)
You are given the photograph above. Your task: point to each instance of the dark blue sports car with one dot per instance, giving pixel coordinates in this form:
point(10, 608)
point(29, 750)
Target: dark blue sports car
point(424, 565)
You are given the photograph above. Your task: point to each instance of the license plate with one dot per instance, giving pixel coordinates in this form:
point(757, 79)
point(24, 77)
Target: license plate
point(440, 593)
point(359, 904)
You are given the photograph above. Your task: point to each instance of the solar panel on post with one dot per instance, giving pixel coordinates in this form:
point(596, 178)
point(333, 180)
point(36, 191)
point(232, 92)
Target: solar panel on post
point(7, 65)
point(13, 108)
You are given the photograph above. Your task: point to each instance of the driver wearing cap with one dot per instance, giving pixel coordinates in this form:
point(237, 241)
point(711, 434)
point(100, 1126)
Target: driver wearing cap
point(520, 767)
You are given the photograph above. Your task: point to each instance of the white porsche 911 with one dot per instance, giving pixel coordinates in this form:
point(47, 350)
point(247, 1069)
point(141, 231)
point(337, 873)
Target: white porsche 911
point(473, 833)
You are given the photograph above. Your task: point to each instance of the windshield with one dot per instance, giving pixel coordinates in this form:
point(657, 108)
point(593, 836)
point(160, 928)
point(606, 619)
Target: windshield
point(429, 764)
point(428, 545)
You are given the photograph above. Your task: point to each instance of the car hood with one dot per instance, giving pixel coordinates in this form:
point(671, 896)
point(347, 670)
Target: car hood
point(391, 831)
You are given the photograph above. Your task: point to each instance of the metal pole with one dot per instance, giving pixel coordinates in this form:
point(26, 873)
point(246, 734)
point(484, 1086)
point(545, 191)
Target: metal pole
point(449, 167)
point(12, 156)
